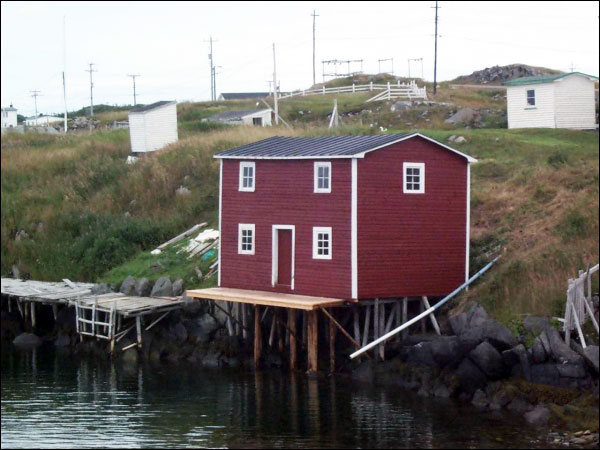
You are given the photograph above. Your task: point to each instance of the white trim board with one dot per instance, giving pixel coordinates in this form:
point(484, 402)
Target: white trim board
point(220, 229)
point(468, 233)
point(275, 253)
point(354, 230)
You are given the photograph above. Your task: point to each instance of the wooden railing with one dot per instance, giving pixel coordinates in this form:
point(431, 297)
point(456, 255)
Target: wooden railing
point(579, 306)
point(391, 90)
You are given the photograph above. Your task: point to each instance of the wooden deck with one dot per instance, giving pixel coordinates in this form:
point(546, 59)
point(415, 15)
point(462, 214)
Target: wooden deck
point(45, 291)
point(265, 298)
point(129, 306)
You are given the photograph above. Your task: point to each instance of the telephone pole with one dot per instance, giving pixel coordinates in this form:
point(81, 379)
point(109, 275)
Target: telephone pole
point(314, 16)
point(435, 56)
point(35, 94)
point(275, 87)
point(91, 70)
point(212, 69)
point(134, 96)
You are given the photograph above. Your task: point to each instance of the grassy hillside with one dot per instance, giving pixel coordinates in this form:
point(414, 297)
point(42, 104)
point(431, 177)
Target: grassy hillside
point(72, 208)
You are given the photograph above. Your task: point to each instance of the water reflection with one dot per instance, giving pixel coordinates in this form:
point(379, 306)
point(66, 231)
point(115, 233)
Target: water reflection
point(53, 400)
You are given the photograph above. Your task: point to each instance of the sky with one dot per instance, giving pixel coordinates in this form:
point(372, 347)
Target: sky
point(166, 43)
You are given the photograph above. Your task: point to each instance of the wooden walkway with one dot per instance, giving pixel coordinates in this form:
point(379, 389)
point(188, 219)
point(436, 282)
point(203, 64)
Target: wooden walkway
point(45, 291)
point(265, 298)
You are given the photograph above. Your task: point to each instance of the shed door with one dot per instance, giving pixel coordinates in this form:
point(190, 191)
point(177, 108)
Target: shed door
point(284, 258)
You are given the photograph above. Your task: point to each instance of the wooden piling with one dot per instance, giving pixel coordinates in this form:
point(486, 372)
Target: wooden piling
point(434, 322)
point(257, 337)
point(312, 333)
point(292, 334)
point(332, 331)
point(405, 316)
point(33, 321)
point(138, 327)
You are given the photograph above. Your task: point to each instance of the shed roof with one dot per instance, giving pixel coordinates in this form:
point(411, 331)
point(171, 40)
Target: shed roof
point(243, 95)
point(146, 108)
point(278, 147)
point(545, 79)
point(232, 115)
point(10, 108)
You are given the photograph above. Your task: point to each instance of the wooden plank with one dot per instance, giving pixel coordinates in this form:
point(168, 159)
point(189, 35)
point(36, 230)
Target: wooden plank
point(265, 298)
point(434, 322)
point(257, 337)
point(293, 344)
point(313, 341)
point(181, 236)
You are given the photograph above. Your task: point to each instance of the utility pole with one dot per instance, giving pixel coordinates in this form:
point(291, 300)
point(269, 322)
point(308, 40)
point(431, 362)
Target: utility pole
point(91, 70)
point(35, 94)
point(215, 73)
point(134, 96)
point(212, 70)
point(314, 16)
point(435, 56)
point(64, 70)
point(275, 87)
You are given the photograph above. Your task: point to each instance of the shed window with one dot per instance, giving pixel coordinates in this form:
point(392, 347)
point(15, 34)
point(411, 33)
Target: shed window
point(321, 242)
point(246, 239)
point(323, 177)
point(531, 97)
point(247, 175)
point(414, 178)
point(257, 121)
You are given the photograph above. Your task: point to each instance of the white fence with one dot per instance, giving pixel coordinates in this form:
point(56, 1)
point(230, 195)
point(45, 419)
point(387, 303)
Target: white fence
point(579, 306)
point(390, 91)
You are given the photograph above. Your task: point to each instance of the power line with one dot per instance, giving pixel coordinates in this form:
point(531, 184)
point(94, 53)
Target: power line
point(379, 61)
point(435, 55)
point(91, 70)
point(134, 95)
point(314, 16)
point(35, 94)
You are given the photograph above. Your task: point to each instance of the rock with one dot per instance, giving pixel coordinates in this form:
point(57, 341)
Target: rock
point(458, 323)
point(460, 140)
point(399, 106)
point(365, 372)
point(560, 352)
point(162, 288)
point(590, 354)
point(198, 272)
point(496, 333)
point(538, 353)
point(156, 266)
point(538, 417)
point(487, 358)
point(65, 318)
point(180, 332)
point(513, 356)
point(27, 340)
point(464, 116)
point(535, 324)
point(480, 399)
point(143, 287)
point(470, 377)
point(517, 404)
point(62, 340)
point(178, 287)
point(128, 286)
point(101, 288)
point(182, 191)
point(545, 374)
point(571, 370)
point(207, 323)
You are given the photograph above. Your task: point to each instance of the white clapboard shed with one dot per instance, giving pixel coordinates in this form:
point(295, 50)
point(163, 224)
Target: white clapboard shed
point(152, 127)
point(556, 101)
point(259, 118)
point(9, 117)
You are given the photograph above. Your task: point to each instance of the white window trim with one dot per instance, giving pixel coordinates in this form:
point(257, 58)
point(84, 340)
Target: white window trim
point(410, 165)
point(316, 231)
point(275, 253)
point(244, 164)
point(318, 190)
point(242, 227)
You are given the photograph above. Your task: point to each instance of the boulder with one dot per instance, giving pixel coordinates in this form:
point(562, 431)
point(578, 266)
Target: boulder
point(100, 289)
point(463, 321)
point(535, 324)
point(27, 340)
point(496, 333)
point(143, 287)
point(538, 417)
point(62, 340)
point(207, 323)
point(178, 287)
point(546, 373)
point(571, 370)
point(487, 358)
point(513, 356)
point(480, 399)
point(464, 116)
point(180, 332)
point(560, 351)
point(162, 288)
point(128, 286)
point(470, 377)
point(65, 318)
point(399, 106)
point(590, 354)
point(538, 353)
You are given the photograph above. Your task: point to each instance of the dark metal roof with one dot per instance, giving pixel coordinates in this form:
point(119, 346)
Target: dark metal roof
point(235, 115)
point(243, 95)
point(145, 108)
point(310, 147)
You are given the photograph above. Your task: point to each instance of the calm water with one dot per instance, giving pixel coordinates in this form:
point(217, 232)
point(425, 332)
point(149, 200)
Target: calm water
point(49, 400)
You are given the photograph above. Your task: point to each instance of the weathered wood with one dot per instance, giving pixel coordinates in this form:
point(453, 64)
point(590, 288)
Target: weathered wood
point(366, 326)
point(356, 323)
point(157, 320)
point(55, 312)
point(244, 322)
point(257, 337)
point(434, 322)
point(181, 236)
point(423, 321)
point(138, 327)
point(578, 326)
point(33, 322)
point(340, 327)
point(332, 330)
point(272, 332)
point(293, 345)
point(381, 332)
point(405, 316)
point(313, 340)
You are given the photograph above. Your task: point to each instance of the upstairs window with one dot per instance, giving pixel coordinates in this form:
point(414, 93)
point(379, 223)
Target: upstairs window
point(246, 239)
point(414, 178)
point(531, 97)
point(247, 176)
point(322, 177)
point(321, 242)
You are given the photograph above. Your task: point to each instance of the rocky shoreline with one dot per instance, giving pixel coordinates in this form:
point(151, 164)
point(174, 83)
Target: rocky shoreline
point(476, 360)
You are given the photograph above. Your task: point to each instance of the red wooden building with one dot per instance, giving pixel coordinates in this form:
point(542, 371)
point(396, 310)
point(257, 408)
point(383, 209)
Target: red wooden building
point(348, 217)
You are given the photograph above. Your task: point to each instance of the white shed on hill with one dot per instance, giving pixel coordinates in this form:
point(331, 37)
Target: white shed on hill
point(557, 101)
point(9, 117)
point(152, 127)
point(260, 118)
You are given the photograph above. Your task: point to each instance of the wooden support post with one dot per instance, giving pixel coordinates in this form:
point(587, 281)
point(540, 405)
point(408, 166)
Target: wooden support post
point(138, 326)
point(381, 330)
point(293, 345)
point(578, 326)
point(244, 322)
point(331, 346)
point(366, 326)
point(55, 312)
point(423, 323)
point(434, 322)
point(405, 316)
point(33, 323)
point(356, 323)
point(312, 333)
point(272, 333)
point(20, 308)
point(257, 337)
